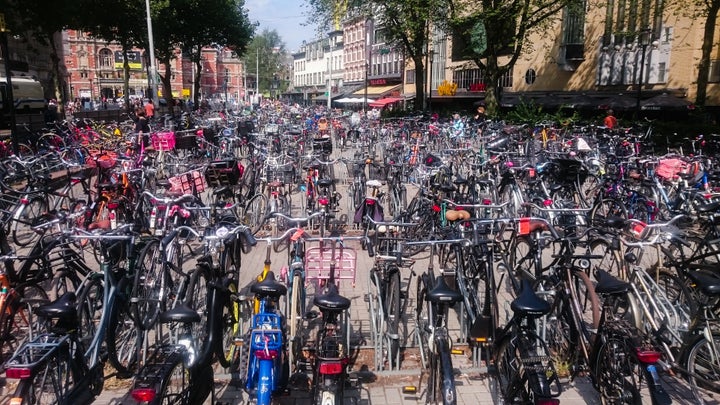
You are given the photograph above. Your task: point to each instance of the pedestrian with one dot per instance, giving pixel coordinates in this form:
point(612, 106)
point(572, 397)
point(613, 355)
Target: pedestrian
point(610, 120)
point(149, 110)
point(142, 128)
point(480, 114)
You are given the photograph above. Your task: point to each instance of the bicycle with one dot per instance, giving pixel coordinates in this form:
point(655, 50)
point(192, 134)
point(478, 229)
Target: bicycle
point(57, 364)
point(434, 299)
point(330, 355)
point(180, 371)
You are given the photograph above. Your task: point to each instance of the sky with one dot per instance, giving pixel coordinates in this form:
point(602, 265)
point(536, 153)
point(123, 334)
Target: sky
point(284, 16)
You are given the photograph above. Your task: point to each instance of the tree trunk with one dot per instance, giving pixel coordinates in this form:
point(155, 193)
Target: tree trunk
point(707, 46)
point(59, 82)
point(492, 75)
point(196, 82)
point(167, 86)
point(419, 104)
point(126, 79)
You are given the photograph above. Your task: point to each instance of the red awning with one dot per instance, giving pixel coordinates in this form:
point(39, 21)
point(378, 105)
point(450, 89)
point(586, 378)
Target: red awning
point(384, 101)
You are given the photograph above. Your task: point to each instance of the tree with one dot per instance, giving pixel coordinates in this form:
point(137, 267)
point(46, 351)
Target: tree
point(405, 23)
point(43, 19)
point(268, 46)
point(121, 21)
point(231, 28)
point(498, 30)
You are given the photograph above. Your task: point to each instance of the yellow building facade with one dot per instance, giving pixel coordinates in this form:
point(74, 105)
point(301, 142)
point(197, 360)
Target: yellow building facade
point(637, 49)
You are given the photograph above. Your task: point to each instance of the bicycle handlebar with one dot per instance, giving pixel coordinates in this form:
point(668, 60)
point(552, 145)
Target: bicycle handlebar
point(292, 220)
point(113, 234)
point(170, 201)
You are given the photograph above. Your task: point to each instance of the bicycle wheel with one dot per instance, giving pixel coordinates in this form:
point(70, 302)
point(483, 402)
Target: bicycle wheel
point(296, 309)
point(24, 219)
point(703, 363)
point(50, 142)
point(255, 211)
point(51, 383)
point(522, 258)
point(607, 208)
point(230, 326)
point(197, 300)
point(150, 285)
point(423, 319)
point(124, 339)
point(393, 315)
point(616, 372)
point(444, 378)
point(90, 304)
point(608, 258)
point(508, 373)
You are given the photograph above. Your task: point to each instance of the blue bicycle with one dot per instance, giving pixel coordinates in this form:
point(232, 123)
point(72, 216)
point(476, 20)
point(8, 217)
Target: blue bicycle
point(268, 367)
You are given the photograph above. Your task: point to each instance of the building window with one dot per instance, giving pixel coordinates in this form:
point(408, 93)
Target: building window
point(105, 58)
point(662, 67)
point(530, 76)
point(714, 76)
point(409, 76)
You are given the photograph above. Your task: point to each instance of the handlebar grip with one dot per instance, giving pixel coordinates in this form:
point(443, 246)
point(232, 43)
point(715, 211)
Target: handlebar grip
point(249, 237)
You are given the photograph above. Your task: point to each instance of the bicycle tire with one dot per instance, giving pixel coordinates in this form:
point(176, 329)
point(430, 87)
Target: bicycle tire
point(610, 260)
point(23, 221)
point(230, 325)
point(295, 313)
point(123, 338)
point(507, 369)
point(254, 213)
point(151, 280)
point(197, 299)
point(423, 319)
point(51, 383)
point(614, 372)
point(441, 380)
point(702, 361)
point(90, 302)
point(606, 208)
point(393, 315)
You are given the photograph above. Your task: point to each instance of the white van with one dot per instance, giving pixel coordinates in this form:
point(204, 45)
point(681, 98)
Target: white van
point(28, 94)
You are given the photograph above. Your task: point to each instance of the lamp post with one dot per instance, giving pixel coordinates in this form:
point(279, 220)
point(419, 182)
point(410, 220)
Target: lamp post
point(151, 45)
point(644, 40)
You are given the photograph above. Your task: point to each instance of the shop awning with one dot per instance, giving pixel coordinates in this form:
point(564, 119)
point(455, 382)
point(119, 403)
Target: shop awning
point(377, 90)
point(384, 101)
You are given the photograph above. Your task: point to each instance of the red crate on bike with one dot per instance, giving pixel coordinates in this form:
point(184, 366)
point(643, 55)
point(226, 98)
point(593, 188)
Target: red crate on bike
point(192, 180)
point(223, 173)
point(163, 140)
point(319, 259)
point(668, 169)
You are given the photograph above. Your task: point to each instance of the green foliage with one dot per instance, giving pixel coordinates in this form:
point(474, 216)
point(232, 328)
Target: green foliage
point(528, 112)
point(269, 47)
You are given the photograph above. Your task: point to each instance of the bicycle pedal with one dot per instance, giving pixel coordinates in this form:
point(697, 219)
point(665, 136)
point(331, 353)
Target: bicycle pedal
point(409, 389)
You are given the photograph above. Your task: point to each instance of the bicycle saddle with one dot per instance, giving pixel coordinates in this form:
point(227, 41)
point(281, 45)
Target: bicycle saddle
point(707, 280)
point(64, 307)
point(331, 300)
point(609, 284)
point(269, 287)
point(441, 293)
point(373, 183)
point(181, 313)
point(528, 304)
point(324, 183)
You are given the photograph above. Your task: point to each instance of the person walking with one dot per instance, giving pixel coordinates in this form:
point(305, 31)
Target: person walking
point(149, 110)
point(610, 120)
